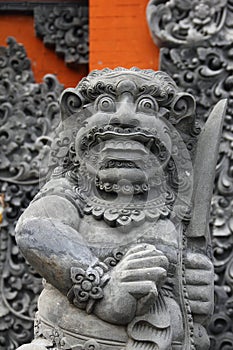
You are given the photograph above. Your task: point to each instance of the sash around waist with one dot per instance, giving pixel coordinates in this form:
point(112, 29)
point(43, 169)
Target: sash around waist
point(54, 310)
point(56, 314)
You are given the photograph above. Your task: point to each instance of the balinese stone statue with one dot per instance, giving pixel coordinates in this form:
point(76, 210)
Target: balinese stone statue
point(120, 230)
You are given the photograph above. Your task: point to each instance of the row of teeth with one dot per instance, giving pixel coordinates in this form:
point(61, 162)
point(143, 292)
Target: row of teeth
point(125, 189)
point(118, 129)
point(92, 135)
point(143, 165)
point(128, 145)
point(119, 164)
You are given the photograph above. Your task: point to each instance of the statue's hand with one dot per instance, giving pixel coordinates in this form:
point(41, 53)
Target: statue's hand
point(134, 284)
point(200, 286)
point(142, 273)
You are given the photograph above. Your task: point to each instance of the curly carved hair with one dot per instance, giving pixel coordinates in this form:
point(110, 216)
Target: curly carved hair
point(157, 84)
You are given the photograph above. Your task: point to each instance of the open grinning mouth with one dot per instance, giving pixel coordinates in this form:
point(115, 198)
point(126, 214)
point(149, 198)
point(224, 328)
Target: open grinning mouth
point(98, 135)
point(145, 137)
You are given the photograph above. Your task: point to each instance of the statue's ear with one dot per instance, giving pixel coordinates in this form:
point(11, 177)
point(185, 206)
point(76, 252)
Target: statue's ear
point(183, 108)
point(70, 102)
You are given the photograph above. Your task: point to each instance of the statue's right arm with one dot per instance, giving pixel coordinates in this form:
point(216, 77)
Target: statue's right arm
point(47, 234)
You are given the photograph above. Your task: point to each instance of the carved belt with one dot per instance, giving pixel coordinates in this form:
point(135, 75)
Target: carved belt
point(56, 337)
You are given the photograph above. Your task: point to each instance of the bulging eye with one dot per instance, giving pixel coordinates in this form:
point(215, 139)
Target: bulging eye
point(106, 104)
point(147, 105)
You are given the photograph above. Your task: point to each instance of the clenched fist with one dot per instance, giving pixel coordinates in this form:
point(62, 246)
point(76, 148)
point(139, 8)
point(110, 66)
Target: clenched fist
point(200, 285)
point(134, 284)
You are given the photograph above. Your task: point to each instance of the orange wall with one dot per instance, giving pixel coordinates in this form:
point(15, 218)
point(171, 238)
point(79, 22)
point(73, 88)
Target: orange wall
point(118, 32)
point(119, 35)
point(43, 60)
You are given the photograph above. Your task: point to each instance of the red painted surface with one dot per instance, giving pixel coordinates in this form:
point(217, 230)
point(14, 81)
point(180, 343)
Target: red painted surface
point(119, 35)
point(43, 60)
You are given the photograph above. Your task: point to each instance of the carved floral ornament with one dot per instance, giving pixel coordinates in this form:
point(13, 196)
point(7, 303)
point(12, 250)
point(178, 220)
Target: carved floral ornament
point(28, 113)
point(185, 21)
point(64, 28)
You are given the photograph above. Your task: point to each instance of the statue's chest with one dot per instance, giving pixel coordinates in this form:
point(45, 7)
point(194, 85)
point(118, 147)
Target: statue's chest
point(105, 239)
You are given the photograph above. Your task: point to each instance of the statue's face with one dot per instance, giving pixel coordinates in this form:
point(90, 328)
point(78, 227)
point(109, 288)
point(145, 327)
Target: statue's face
point(124, 141)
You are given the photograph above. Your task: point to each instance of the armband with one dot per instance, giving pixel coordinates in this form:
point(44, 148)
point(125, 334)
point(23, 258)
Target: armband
point(88, 285)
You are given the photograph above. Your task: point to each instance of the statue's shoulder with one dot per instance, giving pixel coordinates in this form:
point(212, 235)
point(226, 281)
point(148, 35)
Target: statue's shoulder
point(55, 186)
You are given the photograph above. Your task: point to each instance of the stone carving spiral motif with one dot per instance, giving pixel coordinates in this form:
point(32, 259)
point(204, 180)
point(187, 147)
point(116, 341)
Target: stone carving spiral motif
point(184, 21)
point(64, 28)
point(28, 117)
point(196, 41)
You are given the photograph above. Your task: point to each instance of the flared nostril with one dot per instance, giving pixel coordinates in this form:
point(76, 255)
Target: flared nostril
point(125, 122)
point(116, 122)
point(134, 122)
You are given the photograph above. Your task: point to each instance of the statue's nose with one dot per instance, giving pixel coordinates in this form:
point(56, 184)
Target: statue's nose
point(124, 121)
point(124, 116)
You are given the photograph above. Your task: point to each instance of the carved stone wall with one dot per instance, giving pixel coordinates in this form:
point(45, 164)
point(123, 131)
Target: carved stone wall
point(28, 117)
point(63, 26)
point(197, 51)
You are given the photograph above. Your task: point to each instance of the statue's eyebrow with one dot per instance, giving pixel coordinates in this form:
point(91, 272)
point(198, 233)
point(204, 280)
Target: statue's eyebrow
point(152, 90)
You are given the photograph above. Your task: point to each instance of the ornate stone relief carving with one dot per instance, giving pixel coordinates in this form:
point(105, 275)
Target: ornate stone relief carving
point(64, 28)
point(196, 41)
point(183, 22)
point(29, 114)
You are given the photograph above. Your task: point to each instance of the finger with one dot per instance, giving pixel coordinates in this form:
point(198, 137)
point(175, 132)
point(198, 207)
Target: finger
point(139, 290)
point(201, 308)
point(149, 274)
point(143, 254)
point(199, 277)
point(146, 262)
point(198, 261)
point(140, 247)
point(201, 293)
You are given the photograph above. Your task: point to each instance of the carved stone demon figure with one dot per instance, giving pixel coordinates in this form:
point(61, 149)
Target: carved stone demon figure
point(119, 232)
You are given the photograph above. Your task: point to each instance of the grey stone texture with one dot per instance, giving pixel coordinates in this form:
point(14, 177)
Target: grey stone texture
point(120, 231)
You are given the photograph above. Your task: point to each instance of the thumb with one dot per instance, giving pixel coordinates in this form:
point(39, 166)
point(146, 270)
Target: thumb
point(145, 302)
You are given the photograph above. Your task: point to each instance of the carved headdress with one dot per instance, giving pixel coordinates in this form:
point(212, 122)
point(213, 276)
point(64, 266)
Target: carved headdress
point(157, 84)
